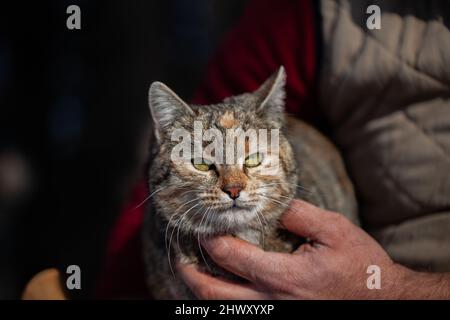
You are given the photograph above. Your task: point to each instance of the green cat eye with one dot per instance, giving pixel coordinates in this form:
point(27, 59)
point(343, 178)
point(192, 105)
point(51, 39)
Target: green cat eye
point(253, 160)
point(201, 165)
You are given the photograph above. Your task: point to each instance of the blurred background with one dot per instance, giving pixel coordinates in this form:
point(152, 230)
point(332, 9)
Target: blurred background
point(74, 118)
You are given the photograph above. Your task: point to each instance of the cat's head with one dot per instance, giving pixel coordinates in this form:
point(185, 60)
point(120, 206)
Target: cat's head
point(202, 194)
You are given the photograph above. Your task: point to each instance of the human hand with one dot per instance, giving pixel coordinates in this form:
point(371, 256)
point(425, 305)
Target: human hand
point(332, 266)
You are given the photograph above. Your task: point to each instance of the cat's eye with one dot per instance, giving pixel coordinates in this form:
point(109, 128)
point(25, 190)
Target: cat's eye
point(201, 164)
point(253, 160)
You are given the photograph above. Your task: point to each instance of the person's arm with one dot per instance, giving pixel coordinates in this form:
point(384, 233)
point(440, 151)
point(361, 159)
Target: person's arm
point(333, 266)
point(422, 285)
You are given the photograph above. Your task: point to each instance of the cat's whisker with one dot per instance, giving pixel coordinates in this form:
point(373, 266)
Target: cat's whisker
point(175, 216)
point(290, 198)
point(171, 235)
point(180, 217)
point(264, 221)
point(146, 199)
point(294, 184)
point(262, 215)
point(167, 231)
point(209, 221)
point(274, 200)
point(186, 192)
point(274, 184)
point(198, 238)
point(303, 189)
point(192, 191)
point(189, 218)
point(262, 230)
point(279, 195)
point(168, 254)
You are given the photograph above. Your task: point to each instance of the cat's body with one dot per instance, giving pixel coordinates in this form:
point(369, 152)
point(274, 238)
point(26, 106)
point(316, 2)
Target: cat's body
point(188, 206)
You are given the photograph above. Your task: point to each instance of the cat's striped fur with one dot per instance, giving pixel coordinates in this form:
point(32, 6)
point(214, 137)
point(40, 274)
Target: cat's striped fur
point(188, 205)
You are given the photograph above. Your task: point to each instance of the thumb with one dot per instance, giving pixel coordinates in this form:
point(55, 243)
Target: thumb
point(309, 221)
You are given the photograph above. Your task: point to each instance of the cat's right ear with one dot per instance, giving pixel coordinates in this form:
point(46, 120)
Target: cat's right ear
point(165, 108)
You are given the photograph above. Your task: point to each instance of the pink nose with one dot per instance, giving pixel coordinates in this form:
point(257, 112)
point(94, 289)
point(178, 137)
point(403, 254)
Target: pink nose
point(233, 191)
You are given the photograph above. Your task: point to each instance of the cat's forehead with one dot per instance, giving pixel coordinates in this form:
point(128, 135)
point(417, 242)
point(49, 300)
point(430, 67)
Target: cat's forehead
point(229, 116)
point(228, 120)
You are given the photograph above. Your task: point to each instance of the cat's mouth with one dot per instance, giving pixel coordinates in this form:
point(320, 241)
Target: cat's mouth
point(234, 206)
point(227, 217)
point(237, 205)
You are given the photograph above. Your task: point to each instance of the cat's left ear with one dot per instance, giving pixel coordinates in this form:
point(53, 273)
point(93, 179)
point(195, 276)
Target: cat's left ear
point(270, 96)
point(166, 107)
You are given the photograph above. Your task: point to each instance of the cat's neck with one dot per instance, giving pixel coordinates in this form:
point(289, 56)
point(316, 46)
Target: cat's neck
point(255, 237)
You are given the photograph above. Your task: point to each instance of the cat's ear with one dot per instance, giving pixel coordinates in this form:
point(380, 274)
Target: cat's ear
point(270, 96)
point(165, 107)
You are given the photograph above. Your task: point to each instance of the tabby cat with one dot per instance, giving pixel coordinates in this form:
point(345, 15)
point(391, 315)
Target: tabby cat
point(193, 200)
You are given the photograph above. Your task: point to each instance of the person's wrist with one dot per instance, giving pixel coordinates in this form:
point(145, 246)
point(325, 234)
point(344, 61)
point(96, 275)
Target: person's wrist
point(410, 284)
point(400, 282)
point(393, 277)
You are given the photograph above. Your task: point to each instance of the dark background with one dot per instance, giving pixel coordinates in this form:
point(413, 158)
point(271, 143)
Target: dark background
point(74, 118)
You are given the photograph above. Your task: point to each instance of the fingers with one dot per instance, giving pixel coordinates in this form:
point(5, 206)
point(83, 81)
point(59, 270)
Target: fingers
point(208, 287)
point(248, 261)
point(309, 221)
point(46, 285)
point(264, 269)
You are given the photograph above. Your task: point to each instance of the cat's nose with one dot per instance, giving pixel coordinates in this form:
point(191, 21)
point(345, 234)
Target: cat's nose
point(233, 191)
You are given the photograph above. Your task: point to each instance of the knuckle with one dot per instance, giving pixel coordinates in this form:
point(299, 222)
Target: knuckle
point(256, 276)
point(338, 225)
point(338, 219)
point(287, 281)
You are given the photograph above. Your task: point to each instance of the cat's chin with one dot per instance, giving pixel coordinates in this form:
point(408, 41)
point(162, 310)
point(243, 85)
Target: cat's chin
point(228, 221)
